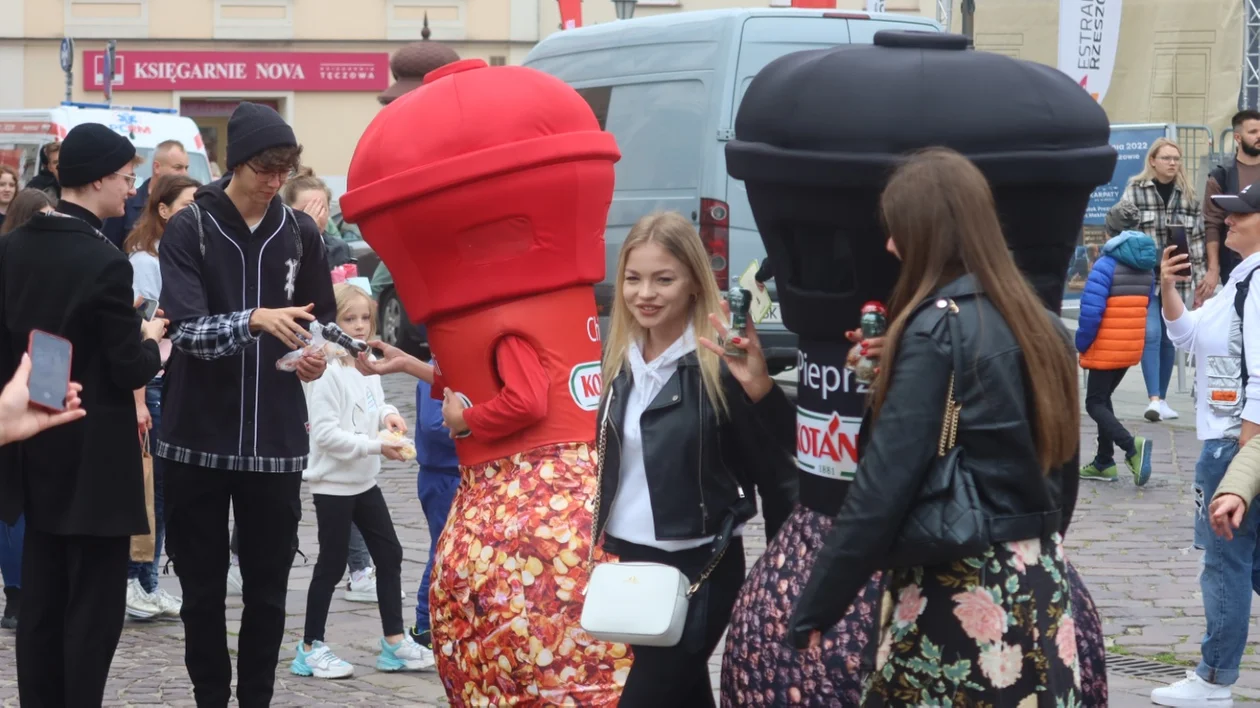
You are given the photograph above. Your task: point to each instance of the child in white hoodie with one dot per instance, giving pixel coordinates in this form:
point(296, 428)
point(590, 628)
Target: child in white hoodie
point(347, 412)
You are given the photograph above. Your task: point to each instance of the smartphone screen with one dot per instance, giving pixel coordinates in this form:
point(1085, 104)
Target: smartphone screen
point(148, 308)
point(1178, 234)
point(50, 370)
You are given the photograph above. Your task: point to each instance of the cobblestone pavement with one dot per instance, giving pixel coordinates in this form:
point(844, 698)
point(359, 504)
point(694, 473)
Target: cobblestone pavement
point(1133, 546)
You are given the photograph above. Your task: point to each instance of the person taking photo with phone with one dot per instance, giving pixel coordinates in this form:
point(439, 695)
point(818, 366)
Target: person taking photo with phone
point(237, 264)
point(81, 485)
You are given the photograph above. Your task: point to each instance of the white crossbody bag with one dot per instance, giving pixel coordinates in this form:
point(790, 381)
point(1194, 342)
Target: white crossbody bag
point(638, 603)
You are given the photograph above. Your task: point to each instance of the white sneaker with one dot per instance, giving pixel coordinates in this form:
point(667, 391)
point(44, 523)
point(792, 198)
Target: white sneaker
point(235, 585)
point(1154, 411)
point(320, 662)
point(407, 655)
point(170, 604)
point(140, 604)
point(1166, 413)
point(1193, 692)
point(362, 586)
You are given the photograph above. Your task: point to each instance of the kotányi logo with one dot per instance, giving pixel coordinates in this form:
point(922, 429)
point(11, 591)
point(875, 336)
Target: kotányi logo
point(585, 385)
point(826, 445)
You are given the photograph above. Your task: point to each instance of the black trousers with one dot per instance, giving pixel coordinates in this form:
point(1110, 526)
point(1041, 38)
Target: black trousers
point(75, 598)
point(678, 676)
point(267, 507)
point(1100, 384)
point(334, 515)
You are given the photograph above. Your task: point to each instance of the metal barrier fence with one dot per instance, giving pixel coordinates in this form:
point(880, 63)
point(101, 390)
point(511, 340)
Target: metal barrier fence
point(1198, 157)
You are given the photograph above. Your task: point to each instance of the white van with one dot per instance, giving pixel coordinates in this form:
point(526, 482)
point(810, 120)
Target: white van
point(669, 87)
point(23, 132)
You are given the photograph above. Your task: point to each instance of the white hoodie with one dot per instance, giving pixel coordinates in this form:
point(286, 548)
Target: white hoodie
point(347, 410)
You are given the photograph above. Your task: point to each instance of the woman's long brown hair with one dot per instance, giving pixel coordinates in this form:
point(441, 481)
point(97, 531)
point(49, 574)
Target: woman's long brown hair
point(149, 227)
point(23, 208)
point(940, 214)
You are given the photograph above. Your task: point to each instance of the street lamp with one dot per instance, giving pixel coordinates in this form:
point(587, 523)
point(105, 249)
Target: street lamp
point(625, 8)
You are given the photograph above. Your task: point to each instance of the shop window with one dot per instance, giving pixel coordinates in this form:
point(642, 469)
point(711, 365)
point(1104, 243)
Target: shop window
point(253, 19)
point(107, 19)
point(498, 61)
point(405, 19)
point(1179, 85)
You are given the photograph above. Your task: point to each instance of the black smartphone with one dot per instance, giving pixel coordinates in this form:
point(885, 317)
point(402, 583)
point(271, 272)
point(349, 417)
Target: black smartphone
point(50, 370)
point(1178, 239)
point(148, 308)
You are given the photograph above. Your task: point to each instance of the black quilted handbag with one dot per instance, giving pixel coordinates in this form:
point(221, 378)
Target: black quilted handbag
point(946, 522)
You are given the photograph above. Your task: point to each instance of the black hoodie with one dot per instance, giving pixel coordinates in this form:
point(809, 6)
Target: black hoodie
point(237, 411)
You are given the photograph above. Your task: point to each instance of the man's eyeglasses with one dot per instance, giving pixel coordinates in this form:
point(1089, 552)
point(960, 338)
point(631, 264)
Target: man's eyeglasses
point(269, 175)
point(131, 179)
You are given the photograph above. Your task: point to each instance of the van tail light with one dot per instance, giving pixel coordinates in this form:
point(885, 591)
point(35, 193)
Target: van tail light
point(715, 234)
point(846, 15)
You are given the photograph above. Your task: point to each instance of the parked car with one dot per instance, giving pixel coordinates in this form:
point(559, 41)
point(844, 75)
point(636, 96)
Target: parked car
point(393, 325)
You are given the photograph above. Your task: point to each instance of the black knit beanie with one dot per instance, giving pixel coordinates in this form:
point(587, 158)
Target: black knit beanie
point(254, 128)
point(90, 152)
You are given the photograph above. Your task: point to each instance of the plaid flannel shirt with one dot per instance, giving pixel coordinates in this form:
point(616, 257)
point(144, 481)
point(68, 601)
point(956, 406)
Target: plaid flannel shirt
point(215, 337)
point(1154, 219)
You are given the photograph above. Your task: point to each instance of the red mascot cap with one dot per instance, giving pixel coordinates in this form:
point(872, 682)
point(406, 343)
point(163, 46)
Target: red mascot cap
point(483, 185)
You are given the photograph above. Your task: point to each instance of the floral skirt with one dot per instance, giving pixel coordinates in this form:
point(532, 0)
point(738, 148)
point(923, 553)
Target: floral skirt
point(758, 668)
point(1091, 646)
point(993, 630)
point(509, 576)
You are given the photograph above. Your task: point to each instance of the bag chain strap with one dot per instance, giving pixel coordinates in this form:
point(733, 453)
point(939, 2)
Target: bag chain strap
point(601, 446)
point(949, 422)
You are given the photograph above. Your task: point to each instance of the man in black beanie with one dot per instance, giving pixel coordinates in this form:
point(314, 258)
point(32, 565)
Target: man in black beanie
point(81, 486)
point(238, 263)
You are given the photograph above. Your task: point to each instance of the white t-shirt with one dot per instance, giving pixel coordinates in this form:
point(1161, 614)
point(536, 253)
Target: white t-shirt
point(1205, 332)
point(146, 279)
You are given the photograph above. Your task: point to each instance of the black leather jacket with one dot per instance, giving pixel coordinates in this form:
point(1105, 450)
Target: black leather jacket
point(701, 470)
point(995, 432)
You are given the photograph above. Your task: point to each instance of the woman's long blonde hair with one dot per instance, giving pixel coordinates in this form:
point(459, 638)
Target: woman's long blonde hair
point(671, 231)
point(1148, 172)
point(939, 211)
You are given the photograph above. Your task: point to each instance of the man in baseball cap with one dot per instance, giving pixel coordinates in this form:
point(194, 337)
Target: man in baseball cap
point(80, 486)
point(1247, 201)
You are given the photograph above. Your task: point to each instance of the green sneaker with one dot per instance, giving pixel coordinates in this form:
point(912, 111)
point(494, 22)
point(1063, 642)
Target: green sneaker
point(1140, 461)
point(1106, 474)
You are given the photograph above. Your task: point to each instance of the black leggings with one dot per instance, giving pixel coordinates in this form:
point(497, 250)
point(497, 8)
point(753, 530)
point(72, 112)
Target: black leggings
point(334, 515)
point(662, 677)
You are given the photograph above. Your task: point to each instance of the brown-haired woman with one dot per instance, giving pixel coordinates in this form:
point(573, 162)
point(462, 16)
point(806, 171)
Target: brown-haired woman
point(995, 627)
point(168, 194)
point(25, 205)
point(8, 189)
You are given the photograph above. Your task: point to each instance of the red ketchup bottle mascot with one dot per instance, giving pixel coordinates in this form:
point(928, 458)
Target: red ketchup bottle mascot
point(485, 191)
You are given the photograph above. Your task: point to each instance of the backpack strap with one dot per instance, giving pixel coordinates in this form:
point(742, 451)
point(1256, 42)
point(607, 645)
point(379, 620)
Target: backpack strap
point(1240, 299)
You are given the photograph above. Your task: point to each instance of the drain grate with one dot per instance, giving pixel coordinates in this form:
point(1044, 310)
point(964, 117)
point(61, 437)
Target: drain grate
point(1139, 667)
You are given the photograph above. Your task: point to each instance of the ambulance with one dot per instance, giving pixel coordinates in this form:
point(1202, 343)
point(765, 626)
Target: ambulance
point(23, 132)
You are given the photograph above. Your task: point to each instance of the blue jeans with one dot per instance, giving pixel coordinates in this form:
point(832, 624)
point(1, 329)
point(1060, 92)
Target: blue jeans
point(1231, 570)
point(436, 488)
point(147, 573)
point(11, 552)
point(1158, 355)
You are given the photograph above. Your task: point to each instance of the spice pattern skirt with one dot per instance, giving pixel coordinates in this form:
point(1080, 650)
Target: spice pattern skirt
point(991, 631)
point(508, 580)
point(758, 668)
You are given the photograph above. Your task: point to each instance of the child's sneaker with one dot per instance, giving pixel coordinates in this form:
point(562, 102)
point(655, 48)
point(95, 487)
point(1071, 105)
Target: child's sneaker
point(235, 584)
point(1102, 474)
point(362, 586)
point(403, 656)
point(320, 662)
point(422, 637)
point(1140, 461)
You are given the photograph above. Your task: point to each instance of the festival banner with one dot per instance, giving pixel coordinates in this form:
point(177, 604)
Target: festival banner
point(1089, 33)
point(570, 14)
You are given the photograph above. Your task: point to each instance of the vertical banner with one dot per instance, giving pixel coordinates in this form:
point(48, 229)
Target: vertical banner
point(1089, 31)
point(874, 5)
point(570, 14)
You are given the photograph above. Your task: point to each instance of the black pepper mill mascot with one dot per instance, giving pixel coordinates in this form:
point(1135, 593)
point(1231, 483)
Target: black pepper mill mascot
point(814, 179)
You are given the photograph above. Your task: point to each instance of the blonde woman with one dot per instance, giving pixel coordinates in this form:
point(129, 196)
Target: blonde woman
point(1164, 199)
point(690, 432)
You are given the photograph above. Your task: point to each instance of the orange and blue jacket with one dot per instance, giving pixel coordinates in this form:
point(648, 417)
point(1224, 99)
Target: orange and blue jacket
point(1112, 327)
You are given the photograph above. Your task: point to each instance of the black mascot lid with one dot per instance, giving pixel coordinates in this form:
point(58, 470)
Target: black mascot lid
point(819, 132)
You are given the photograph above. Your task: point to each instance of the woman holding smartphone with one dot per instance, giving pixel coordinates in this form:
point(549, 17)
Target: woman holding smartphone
point(1166, 204)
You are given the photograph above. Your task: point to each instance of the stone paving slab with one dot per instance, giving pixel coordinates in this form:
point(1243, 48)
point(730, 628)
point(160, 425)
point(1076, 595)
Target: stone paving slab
point(1132, 546)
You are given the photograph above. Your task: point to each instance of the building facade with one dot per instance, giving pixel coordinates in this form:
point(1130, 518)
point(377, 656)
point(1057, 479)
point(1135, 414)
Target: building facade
point(322, 63)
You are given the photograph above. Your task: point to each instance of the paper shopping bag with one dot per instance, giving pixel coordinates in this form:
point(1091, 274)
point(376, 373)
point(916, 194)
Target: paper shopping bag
point(142, 547)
